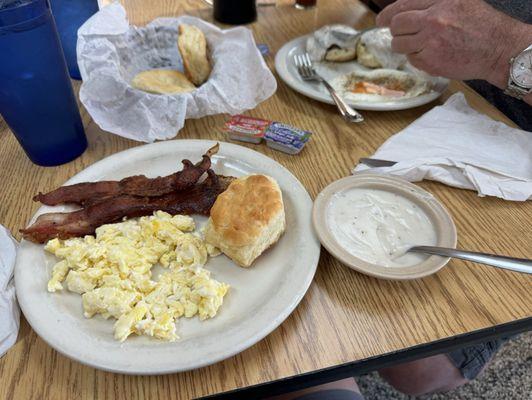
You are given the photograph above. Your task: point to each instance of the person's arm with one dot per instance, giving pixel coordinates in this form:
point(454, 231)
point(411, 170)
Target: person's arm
point(518, 39)
point(457, 39)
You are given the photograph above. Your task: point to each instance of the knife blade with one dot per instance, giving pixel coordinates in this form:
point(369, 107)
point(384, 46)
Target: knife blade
point(375, 162)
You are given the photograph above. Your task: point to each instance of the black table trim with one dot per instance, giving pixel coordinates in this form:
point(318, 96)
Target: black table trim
point(360, 367)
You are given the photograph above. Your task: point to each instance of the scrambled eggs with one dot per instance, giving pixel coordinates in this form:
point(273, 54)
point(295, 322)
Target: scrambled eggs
point(112, 272)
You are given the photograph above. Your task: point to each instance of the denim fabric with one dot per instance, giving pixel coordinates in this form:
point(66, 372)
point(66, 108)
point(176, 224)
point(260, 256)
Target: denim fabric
point(470, 360)
point(332, 394)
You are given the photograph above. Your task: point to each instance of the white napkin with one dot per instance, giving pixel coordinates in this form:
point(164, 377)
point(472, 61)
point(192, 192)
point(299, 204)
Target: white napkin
point(111, 52)
point(458, 146)
point(9, 311)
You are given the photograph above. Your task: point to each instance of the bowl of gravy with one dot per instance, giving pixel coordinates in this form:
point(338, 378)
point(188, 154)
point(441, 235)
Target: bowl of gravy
point(369, 221)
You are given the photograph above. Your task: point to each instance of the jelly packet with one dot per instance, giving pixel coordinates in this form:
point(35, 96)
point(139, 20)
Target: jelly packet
point(286, 138)
point(246, 129)
point(278, 136)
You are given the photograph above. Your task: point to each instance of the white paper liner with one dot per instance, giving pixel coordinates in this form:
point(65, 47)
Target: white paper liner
point(111, 52)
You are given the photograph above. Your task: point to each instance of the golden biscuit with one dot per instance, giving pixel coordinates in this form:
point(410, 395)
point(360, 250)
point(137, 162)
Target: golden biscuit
point(162, 81)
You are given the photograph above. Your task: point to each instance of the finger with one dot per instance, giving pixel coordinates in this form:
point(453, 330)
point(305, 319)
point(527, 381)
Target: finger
point(385, 16)
point(407, 23)
point(407, 44)
point(419, 60)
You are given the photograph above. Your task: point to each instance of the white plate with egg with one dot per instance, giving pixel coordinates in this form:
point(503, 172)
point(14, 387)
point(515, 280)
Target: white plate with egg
point(337, 73)
point(260, 298)
point(367, 221)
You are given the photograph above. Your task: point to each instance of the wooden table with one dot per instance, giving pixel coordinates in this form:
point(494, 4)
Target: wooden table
point(347, 323)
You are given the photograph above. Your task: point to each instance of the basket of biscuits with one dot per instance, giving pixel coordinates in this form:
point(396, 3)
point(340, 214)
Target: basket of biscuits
point(143, 82)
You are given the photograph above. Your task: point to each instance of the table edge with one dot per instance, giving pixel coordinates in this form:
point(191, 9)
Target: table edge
point(350, 369)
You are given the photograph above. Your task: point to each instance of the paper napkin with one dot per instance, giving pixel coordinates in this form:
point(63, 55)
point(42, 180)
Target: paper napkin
point(460, 147)
point(9, 310)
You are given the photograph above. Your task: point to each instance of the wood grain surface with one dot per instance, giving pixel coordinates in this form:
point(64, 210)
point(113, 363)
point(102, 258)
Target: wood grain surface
point(345, 316)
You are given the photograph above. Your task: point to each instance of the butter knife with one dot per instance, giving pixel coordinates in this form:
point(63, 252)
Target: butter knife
point(375, 162)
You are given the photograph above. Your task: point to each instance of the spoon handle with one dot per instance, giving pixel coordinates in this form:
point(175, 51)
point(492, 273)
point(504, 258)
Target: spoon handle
point(514, 264)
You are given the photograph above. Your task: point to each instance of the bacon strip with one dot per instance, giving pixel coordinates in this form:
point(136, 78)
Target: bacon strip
point(89, 192)
point(195, 200)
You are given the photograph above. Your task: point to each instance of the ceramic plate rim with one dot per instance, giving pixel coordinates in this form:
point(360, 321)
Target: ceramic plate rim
point(281, 66)
point(424, 198)
point(288, 306)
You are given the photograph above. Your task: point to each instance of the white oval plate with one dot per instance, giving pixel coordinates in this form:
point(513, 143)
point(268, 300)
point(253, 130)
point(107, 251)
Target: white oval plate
point(439, 216)
point(285, 67)
point(260, 297)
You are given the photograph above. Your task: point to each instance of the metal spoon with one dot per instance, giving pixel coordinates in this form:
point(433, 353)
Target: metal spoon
point(511, 263)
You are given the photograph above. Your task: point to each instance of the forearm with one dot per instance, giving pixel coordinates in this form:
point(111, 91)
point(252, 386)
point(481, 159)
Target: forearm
point(517, 38)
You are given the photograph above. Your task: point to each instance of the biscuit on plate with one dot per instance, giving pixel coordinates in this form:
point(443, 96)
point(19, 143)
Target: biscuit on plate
point(338, 54)
point(162, 81)
point(193, 48)
point(374, 50)
point(247, 218)
point(365, 57)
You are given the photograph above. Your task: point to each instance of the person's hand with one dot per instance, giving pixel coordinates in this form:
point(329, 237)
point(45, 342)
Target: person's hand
point(455, 38)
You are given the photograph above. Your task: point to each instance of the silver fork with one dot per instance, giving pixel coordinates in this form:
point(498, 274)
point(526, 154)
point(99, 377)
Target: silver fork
point(308, 73)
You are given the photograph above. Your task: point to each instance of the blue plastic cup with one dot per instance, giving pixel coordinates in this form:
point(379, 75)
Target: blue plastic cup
point(36, 96)
point(69, 15)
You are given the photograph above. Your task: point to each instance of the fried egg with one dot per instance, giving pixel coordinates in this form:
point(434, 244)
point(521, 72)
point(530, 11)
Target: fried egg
point(112, 271)
point(380, 85)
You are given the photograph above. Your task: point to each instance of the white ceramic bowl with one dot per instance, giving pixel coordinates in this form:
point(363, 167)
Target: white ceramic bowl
point(438, 215)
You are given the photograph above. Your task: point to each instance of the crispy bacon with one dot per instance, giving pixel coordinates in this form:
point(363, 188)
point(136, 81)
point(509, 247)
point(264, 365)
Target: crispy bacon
point(87, 193)
point(195, 200)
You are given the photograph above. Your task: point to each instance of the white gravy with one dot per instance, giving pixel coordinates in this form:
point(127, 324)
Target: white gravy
point(378, 226)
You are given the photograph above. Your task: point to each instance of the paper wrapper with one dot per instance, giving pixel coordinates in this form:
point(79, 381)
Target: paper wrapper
point(378, 43)
point(111, 52)
point(9, 310)
point(323, 39)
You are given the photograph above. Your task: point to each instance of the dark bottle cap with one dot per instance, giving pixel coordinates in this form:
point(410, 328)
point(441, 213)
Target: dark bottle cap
point(235, 12)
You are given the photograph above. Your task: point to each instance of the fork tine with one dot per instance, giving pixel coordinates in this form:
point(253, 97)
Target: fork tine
point(303, 64)
point(308, 61)
point(302, 69)
point(297, 61)
point(308, 66)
